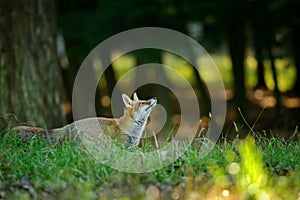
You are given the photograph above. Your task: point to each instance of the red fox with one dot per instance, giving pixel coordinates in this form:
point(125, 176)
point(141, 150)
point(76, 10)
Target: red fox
point(128, 129)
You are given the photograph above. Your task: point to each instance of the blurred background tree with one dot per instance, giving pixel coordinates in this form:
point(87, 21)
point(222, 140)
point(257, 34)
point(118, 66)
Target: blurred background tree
point(30, 77)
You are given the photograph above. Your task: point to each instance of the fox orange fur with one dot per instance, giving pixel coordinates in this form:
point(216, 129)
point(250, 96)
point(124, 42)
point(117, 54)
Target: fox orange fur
point(128, 129)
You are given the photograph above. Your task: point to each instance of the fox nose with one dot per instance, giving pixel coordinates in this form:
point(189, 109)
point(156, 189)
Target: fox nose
point(154, 99)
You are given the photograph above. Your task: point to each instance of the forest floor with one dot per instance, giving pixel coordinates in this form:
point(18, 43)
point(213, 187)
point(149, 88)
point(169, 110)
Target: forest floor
point(253, 168)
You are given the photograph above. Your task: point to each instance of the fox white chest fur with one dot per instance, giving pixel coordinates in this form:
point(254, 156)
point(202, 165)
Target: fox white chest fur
point(134, 120)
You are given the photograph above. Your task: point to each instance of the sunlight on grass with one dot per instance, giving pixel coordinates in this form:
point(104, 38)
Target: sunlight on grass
point(245, 175)
point(123, 64)
point(286, 74)
point(236, 170)
point(285, 69)
point(127, 62)
point(252, 177)
point(181, 66)
point(224, 65)
point(250, 71)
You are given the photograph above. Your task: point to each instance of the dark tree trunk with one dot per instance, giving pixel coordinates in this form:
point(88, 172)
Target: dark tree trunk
point(258, 48)
point(237, 54)
point(236, 39)
point(111, 85)
point(269, 45)
point(204, 99)
point(30, 78)
point(274, 75)
point(261, 83)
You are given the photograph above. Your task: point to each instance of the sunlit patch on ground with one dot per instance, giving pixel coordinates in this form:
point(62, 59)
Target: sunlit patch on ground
point(266, 98)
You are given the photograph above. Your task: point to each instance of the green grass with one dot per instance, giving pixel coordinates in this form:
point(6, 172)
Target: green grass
point(243, 169)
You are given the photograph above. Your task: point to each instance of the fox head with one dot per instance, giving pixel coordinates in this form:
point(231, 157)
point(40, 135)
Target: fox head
point(139, 110)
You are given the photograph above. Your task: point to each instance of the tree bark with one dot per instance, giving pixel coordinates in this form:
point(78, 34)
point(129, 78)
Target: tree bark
point(261, 83)
point(275, 79)
point(237, 53)
point(30, 78)
point(236, 39)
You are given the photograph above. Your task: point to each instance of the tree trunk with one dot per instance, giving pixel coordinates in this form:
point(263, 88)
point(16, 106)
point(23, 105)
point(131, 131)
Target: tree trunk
point(237, 54)
point(274, 76)
point(261, 83)
point(30, 78)
point(203, 97)
point(236, 39)
point(111, 85)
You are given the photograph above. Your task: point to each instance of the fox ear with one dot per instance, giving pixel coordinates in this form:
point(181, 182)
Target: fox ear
point(135, 97)
point(127, 101)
